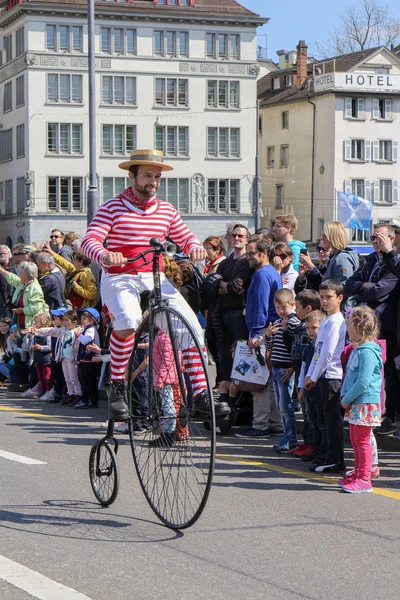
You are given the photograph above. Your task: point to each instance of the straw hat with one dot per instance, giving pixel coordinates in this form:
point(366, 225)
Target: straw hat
point(146, 157)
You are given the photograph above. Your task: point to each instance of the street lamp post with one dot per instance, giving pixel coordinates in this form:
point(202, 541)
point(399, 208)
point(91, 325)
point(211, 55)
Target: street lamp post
point(92, 196)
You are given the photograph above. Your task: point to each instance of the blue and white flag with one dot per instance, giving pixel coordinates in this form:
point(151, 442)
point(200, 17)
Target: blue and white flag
point(354, 212)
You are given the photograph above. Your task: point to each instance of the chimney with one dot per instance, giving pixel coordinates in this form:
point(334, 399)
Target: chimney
point(301, 63)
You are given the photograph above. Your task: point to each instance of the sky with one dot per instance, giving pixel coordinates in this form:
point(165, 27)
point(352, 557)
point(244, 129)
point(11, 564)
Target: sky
point(294, 20)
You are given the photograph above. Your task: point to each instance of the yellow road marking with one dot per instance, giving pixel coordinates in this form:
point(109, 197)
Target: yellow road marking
point(32, 414)
point(302, 474)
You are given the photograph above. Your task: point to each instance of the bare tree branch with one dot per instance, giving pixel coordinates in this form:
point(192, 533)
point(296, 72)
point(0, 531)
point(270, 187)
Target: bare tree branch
point(364, 27)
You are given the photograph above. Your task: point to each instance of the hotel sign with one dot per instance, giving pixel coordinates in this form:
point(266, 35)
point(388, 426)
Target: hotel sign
point(357, 82)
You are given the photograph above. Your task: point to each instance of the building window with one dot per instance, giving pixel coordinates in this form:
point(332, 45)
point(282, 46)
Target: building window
point(360, 235)
point(171, 92)
point(358, 187)
point(172, 141)
point(222, 94)
point(288, 80)
point(8, 197)
point(21, 195)
point(354, 108)
point(357, 149)
point(284, 162)
point(118, 139)
point(385, 191)
point(113, 186)
point(20, 146)
point(382, 109)
point(119, 90)
point(19, 91)
point(174, 2)
point(118, 40)
point(285, 119)
point(64, 138)
point(64, 88)
point(176, 192)
point(383, 150)
point(279, 196)
point(6, 145)
point(276, 83)
point(19, 42)
point(223, 142)
point(170, 43)
point(7, 44)
point(270, 156)
point(222, 45)
point(223, 195)
point(7, 97)
point(64, 38)
point(65, 194)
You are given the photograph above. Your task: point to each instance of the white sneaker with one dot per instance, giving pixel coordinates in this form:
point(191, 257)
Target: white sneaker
point(30, 393)
point(45, 397)
point(52, 394)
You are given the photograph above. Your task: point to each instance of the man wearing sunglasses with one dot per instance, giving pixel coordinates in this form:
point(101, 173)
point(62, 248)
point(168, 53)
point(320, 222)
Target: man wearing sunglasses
point(57, 245)
point(229, 312)
point(377, 284)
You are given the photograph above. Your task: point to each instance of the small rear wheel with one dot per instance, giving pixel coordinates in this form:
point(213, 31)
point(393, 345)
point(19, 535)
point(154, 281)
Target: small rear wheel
point(103, 473)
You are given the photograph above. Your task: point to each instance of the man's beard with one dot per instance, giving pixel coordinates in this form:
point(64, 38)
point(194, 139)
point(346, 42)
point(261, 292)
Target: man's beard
point(4, 261)
point(146, 191)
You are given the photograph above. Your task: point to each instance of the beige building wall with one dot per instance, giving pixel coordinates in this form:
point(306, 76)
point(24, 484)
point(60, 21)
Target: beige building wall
point(296, 177)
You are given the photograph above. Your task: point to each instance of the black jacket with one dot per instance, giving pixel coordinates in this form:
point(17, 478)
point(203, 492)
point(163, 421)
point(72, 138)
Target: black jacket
point(53, 286)
point(237, 273)
point(376, 285)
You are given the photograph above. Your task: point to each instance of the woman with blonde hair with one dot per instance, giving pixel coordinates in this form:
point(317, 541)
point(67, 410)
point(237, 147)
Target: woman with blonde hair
point(342, 263)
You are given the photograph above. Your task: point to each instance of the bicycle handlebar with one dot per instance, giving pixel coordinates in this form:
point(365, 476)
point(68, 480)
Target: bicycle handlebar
point(168, 248)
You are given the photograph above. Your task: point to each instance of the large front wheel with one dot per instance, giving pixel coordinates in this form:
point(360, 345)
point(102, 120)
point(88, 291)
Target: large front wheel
point(173, 452)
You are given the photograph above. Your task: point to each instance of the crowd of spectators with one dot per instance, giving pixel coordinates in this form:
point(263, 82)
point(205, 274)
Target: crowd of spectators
point(262, 287)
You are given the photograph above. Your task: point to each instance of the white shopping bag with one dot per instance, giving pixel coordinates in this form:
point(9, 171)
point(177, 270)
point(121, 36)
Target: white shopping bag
point(246, 367)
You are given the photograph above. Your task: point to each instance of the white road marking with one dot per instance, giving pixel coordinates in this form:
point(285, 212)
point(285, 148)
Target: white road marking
point(22, 459)
point(36, 584)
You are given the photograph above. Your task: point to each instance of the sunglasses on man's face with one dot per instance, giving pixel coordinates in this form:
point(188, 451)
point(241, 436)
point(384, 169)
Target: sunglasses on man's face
point(52, 237)
point(320, 249)
point(238, 235)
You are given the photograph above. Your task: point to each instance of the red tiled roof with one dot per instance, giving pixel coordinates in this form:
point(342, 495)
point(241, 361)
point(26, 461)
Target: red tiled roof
point(230, 7)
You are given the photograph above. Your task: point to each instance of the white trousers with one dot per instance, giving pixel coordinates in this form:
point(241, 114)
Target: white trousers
point(121, 294)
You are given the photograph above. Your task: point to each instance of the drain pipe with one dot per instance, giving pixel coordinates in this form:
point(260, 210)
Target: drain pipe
point(312, 173)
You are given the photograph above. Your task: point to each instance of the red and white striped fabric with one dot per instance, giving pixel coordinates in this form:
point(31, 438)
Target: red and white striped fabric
point(194, 368)
point(128, 229)
point(120, 351)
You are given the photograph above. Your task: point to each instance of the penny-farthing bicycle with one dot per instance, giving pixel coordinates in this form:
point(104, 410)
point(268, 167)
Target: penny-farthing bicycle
point(172, 450)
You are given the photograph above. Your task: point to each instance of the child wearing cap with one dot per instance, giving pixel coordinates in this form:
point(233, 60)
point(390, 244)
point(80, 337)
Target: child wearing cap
point(57, 374)
point(88, 370)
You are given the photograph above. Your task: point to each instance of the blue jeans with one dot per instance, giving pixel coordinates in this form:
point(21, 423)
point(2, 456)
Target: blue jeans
point(283, 396)
point(168, 420)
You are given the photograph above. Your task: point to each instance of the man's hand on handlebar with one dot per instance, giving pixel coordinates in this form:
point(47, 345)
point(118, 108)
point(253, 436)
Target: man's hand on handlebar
point(114, 259)
point(197, 254)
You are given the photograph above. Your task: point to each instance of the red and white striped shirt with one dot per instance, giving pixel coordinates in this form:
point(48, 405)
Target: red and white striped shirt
point(128, 229)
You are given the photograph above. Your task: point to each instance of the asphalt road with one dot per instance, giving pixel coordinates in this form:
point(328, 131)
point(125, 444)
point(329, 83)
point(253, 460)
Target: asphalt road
point(271, 530)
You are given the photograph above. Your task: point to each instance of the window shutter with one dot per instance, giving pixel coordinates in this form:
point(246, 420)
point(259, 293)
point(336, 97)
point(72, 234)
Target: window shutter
point(367, 190)
point(347, 186)
point(367, 150)
point(375, 108)
point(347, 149)
point(375, 150)
point(388, 109)
point(395, 191)
point(395, 151)
point(376, 190)
point(347, 108)
point(360, 108)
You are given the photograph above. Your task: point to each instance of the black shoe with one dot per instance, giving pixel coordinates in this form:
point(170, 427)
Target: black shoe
point(165, 440)
point(331, 468)
point(117, 406)
point(386, 427)
point(308, 458)
point(202, 406)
